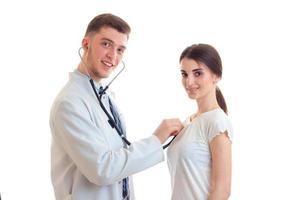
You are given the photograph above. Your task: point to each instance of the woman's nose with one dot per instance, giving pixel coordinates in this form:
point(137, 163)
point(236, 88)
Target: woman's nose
point(189, 81)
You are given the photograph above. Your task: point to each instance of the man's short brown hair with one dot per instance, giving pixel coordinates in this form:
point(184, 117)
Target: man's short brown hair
point(107, 20)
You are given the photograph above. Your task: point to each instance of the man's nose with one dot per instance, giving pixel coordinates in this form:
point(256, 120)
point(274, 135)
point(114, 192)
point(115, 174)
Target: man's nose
point(112, 54)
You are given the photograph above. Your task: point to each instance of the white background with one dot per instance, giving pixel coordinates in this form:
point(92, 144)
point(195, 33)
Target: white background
point(257, 40)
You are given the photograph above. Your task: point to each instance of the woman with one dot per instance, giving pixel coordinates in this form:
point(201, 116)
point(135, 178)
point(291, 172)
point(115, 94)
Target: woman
point(199, 158)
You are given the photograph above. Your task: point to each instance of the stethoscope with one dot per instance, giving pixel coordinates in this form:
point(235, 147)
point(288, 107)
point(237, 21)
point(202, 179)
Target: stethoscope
point(111, 120)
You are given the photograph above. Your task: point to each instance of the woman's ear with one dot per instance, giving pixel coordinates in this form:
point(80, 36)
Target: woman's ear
point(216, 79)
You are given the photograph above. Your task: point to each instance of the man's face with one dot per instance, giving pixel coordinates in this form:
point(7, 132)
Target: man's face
point(103, 51)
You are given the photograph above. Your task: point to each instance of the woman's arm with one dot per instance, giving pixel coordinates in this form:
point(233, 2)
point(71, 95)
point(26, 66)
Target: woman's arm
point(220, 148)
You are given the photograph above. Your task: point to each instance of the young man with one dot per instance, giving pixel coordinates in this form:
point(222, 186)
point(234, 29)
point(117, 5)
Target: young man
point(89, 159)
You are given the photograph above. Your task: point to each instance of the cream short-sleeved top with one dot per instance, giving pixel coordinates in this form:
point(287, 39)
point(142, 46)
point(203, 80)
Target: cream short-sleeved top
point(189, 156)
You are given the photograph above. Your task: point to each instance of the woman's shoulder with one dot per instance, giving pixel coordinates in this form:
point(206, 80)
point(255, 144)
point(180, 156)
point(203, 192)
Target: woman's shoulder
point(215, 115)
point(216, 122)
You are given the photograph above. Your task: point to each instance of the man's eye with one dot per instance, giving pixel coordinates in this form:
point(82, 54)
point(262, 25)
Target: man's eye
point(121, 51)
point(106, 44)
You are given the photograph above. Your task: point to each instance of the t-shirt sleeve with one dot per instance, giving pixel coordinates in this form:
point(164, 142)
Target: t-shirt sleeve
point(220, 126)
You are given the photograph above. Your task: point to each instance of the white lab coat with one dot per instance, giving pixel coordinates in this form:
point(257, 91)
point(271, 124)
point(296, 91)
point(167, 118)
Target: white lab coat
point(88, 160)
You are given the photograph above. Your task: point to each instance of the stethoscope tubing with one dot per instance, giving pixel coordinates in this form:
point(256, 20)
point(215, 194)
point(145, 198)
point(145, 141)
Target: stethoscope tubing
point(111, 121)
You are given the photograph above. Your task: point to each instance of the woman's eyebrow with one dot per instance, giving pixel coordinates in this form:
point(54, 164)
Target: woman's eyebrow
point(196, 70)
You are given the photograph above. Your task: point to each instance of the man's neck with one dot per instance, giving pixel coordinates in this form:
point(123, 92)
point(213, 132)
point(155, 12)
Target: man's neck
point(82, 68)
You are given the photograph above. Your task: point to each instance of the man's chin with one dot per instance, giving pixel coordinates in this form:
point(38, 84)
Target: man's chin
point(103, 75)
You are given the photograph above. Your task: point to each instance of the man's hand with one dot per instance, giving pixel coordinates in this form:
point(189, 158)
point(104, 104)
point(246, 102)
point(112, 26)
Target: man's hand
point(167, 128)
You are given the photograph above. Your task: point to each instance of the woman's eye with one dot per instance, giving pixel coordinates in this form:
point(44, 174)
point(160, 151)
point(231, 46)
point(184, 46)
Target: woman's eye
point(198, 74)
point(184, 75)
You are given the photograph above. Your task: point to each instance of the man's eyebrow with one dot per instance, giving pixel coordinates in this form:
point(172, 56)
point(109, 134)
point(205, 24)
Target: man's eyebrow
point(104, 38)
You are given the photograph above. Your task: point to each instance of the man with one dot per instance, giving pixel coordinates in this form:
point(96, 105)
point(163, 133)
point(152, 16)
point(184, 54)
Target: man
point(89, 161)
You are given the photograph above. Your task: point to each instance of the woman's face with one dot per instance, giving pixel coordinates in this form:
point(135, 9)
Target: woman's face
point(197, 79)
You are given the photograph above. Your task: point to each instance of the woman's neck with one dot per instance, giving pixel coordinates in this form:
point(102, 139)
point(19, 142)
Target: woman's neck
point(206, 104)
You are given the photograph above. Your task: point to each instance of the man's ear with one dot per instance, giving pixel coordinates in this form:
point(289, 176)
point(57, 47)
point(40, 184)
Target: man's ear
point(85, 43)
